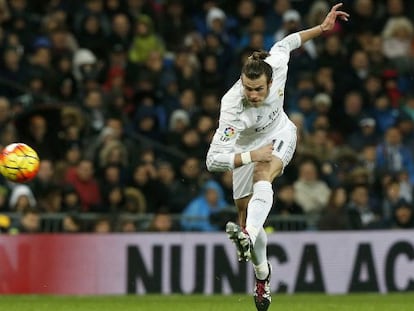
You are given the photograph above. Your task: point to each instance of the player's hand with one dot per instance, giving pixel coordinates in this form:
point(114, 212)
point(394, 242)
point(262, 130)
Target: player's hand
point(263, 154)
point(333, 14)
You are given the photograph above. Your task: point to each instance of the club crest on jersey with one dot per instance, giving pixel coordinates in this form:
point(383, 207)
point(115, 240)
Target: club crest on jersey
point(280, 92)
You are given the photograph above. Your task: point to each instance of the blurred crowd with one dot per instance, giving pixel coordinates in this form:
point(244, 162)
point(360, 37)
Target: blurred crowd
point(120, 99)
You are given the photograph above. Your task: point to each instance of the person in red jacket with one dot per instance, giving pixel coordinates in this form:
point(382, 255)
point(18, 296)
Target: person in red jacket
point(83, 180)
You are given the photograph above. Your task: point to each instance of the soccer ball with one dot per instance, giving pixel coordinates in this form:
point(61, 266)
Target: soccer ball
point(19, 162)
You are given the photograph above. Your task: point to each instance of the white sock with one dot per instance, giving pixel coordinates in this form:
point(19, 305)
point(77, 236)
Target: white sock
point(261, 271)
point(258, 208)
point(259, 251)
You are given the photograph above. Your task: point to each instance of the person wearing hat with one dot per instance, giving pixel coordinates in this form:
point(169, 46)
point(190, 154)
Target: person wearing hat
point(145, 40)
point(292, 22)
point(256, 140)
point(365, 136)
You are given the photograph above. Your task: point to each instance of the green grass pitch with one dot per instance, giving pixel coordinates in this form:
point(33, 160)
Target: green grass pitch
point(297, 302)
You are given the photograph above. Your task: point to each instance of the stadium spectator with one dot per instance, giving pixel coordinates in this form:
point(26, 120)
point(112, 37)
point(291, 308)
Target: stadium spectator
point(30, 222)
point(398, 34)
point(197, 215)
point(319, 145)
point(364, 15)
point(90, 35)
point(178, 123)
point(367, 135)
point(45, 178)
point(275, 13)
point(113, 200)
point(12, 71)
point(163, 221)
point(144, 178)
point(332, 55)
point(39, 136)
point(362, 214)
point(187, 186)
point(82, 178)
point(378, 61)
point(367, 160)
point(21, 198)
point(102, 225)
point(50, 201)
point(356, 74)
point(405, 125)
point(403, 216)
point(145, 40)
point(322, 103)
point(292, 22)
point(285, 205)
point(349, 114)
point(135, 202)
point(5, 12)
point(285, 198)
point(70, 200)
point(114, 153)
point(174, 25)
point(256, 28)
point(311, 193)
point(121, 32)
point(128, 226)
point(218, 23)
point(185, 67)
point(335, 215)
point(325, 81)
point(383, 112)
point(391, 198)
point(71, 223)
point(393, 156)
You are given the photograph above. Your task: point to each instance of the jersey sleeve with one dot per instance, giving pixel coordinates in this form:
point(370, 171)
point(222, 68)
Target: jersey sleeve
point(280, 51)
point(220, 156)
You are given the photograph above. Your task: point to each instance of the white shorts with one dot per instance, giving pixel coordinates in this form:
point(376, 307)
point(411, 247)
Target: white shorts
point(284, 148)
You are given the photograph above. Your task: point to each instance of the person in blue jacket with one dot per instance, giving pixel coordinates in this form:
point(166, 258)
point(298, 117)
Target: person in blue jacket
point(197, 214)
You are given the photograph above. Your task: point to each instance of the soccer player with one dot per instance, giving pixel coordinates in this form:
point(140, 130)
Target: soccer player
point(256, 140)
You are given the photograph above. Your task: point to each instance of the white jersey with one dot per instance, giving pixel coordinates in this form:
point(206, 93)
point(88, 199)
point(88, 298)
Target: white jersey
point(243, 127)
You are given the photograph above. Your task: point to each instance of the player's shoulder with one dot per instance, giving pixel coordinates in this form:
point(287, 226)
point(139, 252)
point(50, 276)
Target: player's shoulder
point(232, 99)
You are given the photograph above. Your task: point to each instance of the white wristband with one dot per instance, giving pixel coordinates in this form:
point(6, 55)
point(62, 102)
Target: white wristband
point(246, 158)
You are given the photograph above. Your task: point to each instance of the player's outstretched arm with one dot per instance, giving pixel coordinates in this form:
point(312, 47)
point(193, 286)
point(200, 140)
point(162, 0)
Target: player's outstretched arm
point(326, 25)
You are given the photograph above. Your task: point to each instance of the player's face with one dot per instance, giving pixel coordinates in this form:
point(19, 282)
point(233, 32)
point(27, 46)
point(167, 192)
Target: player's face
point(255, 90)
